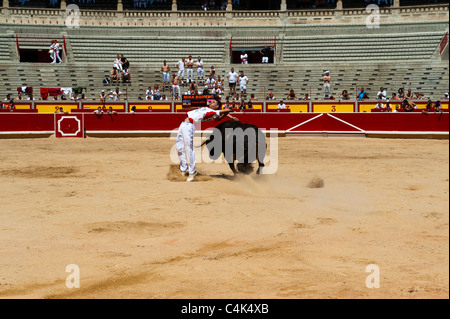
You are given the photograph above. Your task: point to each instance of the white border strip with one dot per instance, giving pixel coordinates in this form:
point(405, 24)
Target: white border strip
point(294, 127)
point(336, 118)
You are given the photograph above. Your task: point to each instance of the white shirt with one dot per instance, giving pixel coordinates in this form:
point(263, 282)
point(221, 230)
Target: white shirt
point(243, 80)
point(180, 65)
point(281, 106)
point(116, 95)
point(244, 57)
point(203, 114)
point(232, 76)
point(210, 83)
point(383, 94)
point(199, 64)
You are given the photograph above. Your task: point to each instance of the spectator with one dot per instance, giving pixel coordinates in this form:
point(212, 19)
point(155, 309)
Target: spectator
point(281, 105)
point(397, 109)
point(220, 83)
point(388, 108)
point(165, 69)
point(360, 95)
point(445, 96)
point(190, 69)
point(401, 94)
point(394, 96)
point(175, 86)
point(181, 69)
point(409, 95)
point(243, 81)
point(200, 71)
point(232, 76)
point(291, 95)
point(125, 63)
point(212, 72)
point(193, 88)
point(63, 97)
point(381, 95)
point(117, 94)
point(111, 111)
point(270, 96)
point(61, 111)
point(56, 52)
point(114, 75)
point(408, 106)
point(224, 5)
point(30, 97)
point(102, 96)
point(98, 111)
point(345, 95)
point(265, 53)
point(420, 96)
point(216, 90)
point(156, 93)
point(148, 94)
point(163, 97)
point(126, 77)
point(379, 105)
point(8, 97)
point(438, 107)
point(253, 98)
point(326, 84)
point(83, 97)
point(306, 97)
point(244, 58)
point(118, 63)
point(250, 105)
point(242, 105)
point(52, 51)
point(429, 106)
point(19, 97)
point(133, 109)
point(210, 83)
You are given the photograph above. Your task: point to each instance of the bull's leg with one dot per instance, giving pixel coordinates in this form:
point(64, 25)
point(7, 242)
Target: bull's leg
point(233, 168)
point(260, 167)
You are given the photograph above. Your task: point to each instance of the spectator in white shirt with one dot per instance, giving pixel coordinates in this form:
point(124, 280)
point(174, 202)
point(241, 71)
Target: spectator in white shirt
point(382, 94)
point(232, 77)
point(281, 106)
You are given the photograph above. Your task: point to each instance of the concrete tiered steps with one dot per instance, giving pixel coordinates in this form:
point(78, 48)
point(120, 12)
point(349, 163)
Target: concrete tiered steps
point(146, 50)
point(382, 47)
point(431, 78)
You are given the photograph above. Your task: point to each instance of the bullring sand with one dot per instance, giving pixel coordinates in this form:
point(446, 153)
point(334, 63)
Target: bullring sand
point(117, 209)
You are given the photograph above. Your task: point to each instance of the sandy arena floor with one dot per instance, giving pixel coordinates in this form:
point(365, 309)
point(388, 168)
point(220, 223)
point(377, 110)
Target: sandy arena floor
point(116, 209)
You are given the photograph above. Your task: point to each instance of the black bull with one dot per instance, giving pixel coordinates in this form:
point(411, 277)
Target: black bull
point(239, 142)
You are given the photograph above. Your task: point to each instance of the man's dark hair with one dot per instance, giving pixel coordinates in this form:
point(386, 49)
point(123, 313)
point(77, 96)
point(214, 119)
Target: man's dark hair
point(218, 100)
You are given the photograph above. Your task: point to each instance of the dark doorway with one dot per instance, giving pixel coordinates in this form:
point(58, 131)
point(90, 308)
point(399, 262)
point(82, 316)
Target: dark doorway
point(36, 55)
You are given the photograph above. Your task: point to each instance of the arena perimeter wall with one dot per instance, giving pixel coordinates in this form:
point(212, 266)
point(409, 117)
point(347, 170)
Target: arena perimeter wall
point(19, 125)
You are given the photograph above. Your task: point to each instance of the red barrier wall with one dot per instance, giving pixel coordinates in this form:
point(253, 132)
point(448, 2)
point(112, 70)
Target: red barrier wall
point(289, 123)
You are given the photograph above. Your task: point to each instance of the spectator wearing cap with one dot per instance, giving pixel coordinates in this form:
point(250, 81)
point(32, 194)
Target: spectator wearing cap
point(102, 97)
point(190, 69)
point(445, 96)
point(326, 84)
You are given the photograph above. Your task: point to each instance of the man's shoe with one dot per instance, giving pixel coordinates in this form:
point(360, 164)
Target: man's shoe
point(185, 173)
point(191, 177)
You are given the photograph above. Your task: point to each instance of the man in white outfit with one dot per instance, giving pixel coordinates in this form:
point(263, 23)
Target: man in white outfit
point(190, 69)
point(200, 71)
point(181, 68)
point(56, 52)
point(185, 137)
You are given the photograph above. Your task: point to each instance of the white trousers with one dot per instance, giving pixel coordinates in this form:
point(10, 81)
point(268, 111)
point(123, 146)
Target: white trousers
point(176, 87)
point(190, 74)
point(265, 59)
point(326, 90)
point(200, 73)
point(181, 74)
point(185, 145)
